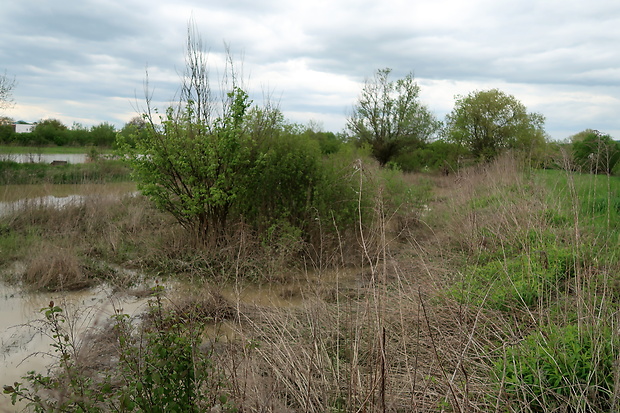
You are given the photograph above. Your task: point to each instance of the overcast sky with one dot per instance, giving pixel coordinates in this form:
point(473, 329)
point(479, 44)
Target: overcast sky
point(85, 61)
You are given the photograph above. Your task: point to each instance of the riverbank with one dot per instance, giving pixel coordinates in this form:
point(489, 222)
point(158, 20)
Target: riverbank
point(100, 171)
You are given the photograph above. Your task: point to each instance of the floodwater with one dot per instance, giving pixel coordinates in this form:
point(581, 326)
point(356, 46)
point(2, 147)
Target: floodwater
point(44, 157)
point(18, 197)
point(23, 347)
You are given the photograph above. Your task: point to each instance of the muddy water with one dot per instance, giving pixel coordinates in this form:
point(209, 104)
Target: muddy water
point(24, 346)
point(17, 197)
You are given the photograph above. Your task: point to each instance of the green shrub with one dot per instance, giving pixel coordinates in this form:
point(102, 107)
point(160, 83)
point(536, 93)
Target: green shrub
point(596, 152)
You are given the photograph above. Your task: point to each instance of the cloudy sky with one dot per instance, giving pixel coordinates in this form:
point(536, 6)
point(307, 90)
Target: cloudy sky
point(85, 61)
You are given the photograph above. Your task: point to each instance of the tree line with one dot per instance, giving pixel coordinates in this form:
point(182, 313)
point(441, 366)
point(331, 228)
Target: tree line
point(52, 132)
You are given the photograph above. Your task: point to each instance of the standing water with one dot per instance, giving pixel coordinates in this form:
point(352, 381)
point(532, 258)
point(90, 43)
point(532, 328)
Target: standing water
point(44, 157)
point(24, 344)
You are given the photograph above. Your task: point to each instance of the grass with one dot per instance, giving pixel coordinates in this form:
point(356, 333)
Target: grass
point(6, 149)
point(13, 173)
point(501, 296)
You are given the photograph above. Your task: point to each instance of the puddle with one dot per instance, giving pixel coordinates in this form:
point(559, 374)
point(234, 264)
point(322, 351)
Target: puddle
point(23, 347)
point(25, 344)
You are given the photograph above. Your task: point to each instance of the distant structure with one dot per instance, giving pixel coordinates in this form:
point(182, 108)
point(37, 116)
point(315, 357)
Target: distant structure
point(23, 127)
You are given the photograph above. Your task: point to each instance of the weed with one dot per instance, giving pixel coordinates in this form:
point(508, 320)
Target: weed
point(561, 367)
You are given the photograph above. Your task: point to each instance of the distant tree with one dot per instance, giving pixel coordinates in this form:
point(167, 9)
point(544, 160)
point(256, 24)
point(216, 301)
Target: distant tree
point(6, 129)
point(50, 131)
point(487, 122)
point(135, 128)
point(390, 117)
point(103, 134)
point(595, 152)
point(6, 91)
point(328, 142)
point(437, 156)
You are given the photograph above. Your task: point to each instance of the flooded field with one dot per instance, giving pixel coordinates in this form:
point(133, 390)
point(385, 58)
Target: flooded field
point(18, 197)
point(23, 344)
point(25, 347)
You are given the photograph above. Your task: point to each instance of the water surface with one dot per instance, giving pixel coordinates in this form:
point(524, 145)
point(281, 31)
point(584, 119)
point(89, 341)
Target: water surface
point(44, 157)
point(14, 198)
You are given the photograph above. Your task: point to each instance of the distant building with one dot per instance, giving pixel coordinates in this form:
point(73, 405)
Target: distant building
point(23, 127)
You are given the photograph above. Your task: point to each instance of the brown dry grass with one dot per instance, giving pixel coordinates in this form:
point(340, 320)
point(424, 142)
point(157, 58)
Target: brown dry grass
point(55, 269)
point(392, 340)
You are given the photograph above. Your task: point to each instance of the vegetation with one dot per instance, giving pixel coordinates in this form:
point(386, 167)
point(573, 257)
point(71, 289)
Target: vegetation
point(173, 374)
point(503, 293)
point(487, 122)
point(37, 173)
point(215, 165)
point(595, 152)
point(390, 118)
point(52, 132)
point(492, 286)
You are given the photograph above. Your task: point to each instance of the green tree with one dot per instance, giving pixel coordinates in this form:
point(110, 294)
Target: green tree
point(189, 160)
point(390, 118)
point(103, 134)
point(6, 129)
point(50, 131)
point(487, 122)
point(595, 152)
point(135, 127)
point(78, 135)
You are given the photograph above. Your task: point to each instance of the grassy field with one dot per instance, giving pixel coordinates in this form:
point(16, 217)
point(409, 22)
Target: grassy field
point(39, 173)
point(500, 294)
point(4, 149)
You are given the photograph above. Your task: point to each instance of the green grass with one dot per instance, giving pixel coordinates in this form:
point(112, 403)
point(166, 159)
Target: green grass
point(34, 173)
point(592, 200)
point(4, 149)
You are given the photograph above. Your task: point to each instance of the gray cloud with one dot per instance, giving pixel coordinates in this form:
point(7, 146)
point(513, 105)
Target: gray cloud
point(86, 60)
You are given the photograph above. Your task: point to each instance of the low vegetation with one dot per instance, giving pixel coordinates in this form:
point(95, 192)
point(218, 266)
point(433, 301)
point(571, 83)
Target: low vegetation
point(13, 173)
point(499, 295)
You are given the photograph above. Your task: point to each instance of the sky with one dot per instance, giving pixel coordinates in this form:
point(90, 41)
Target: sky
point(86, 61)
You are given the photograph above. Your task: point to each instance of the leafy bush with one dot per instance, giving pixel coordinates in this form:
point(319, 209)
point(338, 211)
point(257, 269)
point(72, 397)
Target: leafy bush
point(435, 156)
point(596, 152)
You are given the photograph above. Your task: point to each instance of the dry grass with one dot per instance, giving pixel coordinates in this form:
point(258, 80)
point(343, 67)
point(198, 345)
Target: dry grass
point(55, 269)
point(392, 340)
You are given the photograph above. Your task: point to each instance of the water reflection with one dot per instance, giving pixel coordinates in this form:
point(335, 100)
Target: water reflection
point(24, 346)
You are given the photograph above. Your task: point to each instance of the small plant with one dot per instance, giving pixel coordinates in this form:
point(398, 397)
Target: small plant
point(70, 390)
point(161, 368)
point(174, 375)
point(561, 369)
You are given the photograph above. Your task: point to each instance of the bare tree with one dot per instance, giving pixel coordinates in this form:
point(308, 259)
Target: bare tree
point(7, 85)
